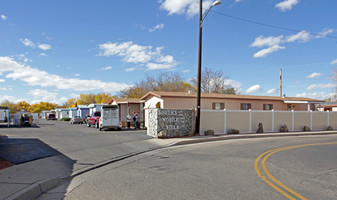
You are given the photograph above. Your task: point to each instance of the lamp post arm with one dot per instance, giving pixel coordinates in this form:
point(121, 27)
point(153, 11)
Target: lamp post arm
point(205, 15)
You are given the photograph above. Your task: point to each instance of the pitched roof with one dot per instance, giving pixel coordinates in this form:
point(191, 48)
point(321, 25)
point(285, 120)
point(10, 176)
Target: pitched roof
point(125, 100)
point(161, 94)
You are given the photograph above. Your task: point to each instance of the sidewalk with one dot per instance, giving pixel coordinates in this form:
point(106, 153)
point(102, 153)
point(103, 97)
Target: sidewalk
point(31, 179)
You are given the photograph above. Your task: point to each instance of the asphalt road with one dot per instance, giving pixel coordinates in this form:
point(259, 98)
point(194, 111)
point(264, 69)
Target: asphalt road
point(217, 170)
point(86, 146)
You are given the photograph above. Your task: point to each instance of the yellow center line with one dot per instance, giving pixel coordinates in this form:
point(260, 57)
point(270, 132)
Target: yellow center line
point(266, 155)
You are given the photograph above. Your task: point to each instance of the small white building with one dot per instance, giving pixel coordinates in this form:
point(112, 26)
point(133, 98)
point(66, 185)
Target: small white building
point(72, 112)
point(61, 113)
point(83, 111)
point(4, 114)
point(95, 107)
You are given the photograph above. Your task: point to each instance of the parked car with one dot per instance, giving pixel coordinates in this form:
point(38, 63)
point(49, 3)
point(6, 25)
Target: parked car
point(110, 118)
point(51, 116)
point(76, 120)
point(93, 120)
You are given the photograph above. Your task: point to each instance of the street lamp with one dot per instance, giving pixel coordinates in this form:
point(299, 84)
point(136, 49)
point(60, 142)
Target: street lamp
point(201, 19)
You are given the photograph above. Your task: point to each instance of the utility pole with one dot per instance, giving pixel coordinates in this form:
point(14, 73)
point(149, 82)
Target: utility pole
point(280, 82)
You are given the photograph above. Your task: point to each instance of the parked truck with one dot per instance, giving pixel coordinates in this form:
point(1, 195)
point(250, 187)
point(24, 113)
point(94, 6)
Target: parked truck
point(110, 118)
point(93, 120)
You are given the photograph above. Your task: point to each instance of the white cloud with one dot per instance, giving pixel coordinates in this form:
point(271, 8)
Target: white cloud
point(274, 42)
point(43, 54)
point(233, 83)
point(27, 43)
point(134, 53)
point(157, 27)
point(262, 41)
point(130, 69)
point(286, 5)
point(77, 75)
point(189, 7)
point(154, 66)
point(254, 88)
point(324, 33)
point(105, 68)
point(271, 91)
point(265, 52)
point(3, 17)
point(10, 98)
point(2, 80)
point(321, 86)
point(186, 71)
point(315, 95)
point(334, 62)
point(314, 75)
point(36, 77)
point(46, 96)
point(3, 89)
point(44, 47)
point(302, 36)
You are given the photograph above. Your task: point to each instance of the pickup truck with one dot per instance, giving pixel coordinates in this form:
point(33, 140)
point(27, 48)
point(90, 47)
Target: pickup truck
point(51, 116)
point(93, 120)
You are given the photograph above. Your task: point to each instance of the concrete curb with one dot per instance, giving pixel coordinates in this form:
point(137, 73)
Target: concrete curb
point(36, 189)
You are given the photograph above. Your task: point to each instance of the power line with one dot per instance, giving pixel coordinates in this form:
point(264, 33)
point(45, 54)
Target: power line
point(269, 25)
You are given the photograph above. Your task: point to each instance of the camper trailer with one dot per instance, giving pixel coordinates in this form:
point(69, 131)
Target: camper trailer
point(110, 118)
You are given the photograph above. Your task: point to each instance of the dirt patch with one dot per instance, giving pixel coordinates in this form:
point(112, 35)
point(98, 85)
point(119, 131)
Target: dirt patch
point(4, 164)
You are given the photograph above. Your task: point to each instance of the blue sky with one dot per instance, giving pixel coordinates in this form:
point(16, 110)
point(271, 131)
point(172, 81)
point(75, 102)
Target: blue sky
point(56, 50)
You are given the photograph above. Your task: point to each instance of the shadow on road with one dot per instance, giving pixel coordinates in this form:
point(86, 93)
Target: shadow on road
point(35, 162)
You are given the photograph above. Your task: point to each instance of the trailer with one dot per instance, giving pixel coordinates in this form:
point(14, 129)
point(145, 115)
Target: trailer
point(110, 118)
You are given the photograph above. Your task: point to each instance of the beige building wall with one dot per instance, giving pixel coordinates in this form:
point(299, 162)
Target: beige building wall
point(230, 104)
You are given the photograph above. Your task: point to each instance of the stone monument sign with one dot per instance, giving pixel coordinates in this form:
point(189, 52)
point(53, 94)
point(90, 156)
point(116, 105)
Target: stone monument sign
point(165, 123)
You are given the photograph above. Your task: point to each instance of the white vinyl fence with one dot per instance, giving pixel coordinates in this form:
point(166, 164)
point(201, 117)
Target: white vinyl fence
point(246, 121)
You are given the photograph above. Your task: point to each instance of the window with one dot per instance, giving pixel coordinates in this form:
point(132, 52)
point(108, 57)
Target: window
point(267, 106)
point(218, 106)
point(246, 106)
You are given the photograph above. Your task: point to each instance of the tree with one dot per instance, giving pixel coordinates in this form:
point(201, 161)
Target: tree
point(12, 106)
point(69, 103)
point(86, 99)
point(166, 81)
point(23, 105)
point(213, 81)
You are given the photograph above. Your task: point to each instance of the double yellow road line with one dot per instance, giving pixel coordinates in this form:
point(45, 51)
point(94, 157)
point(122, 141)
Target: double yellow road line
point(272, 181)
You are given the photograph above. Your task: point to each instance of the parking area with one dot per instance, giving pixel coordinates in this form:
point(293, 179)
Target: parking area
point(84, 144)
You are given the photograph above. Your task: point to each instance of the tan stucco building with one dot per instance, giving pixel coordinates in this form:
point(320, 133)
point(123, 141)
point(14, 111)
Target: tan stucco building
point(128, 106)
point(185, 100)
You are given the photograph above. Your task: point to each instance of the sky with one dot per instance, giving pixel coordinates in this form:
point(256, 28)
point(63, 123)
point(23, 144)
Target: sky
point(55, 50)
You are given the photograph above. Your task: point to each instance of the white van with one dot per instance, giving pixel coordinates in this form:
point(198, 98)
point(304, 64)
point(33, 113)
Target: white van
point(110, 118)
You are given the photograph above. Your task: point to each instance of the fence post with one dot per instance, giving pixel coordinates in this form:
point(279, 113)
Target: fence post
point(225, 121)
point(272, 120)
point(250, 120)
point(328, 117)
point(310, 119)
point(292, 120)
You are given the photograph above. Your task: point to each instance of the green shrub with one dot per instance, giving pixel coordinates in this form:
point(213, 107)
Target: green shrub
point(65, 119)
